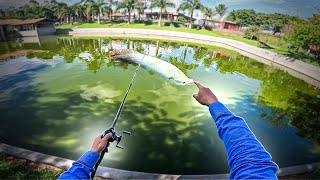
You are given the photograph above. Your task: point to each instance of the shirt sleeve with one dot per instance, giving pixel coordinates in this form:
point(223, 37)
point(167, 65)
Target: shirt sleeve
point(82, 168)
point(247, 157)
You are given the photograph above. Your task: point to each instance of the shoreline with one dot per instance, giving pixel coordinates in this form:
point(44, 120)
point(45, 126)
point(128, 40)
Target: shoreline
point(112, 173)
point(297, 68)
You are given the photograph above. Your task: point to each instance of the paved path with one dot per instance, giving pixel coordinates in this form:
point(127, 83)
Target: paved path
point(299, 69)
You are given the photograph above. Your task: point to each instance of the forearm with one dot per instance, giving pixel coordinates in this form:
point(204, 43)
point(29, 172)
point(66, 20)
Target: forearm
point(82, 168)
point(246, 156)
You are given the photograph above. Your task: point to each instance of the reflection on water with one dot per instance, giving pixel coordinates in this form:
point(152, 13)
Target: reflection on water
point(58, 99)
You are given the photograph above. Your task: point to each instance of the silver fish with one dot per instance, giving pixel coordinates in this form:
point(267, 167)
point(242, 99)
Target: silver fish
point(159, 66)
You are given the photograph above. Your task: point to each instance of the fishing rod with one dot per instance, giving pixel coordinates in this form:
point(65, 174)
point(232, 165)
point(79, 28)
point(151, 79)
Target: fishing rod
point(111, 130)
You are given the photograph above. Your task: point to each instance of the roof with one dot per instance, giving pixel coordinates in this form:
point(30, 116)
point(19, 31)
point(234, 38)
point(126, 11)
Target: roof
point(117, 15)
point(157, 13)
point(30, 21)
point(210, 20)
point(21, 22)
point(230, 22)
point(8, 21)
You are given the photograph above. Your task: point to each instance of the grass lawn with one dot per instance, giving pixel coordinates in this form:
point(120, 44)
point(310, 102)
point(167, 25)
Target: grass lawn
point(156, 27)
point(278, 45)
point(18, 169)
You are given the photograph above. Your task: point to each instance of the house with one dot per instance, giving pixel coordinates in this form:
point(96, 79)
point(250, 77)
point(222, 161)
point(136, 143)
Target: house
point(232, 26)
point(5, 26)
point(118, 16)
point(25, 28)
point(167, 15)
point(209, 24)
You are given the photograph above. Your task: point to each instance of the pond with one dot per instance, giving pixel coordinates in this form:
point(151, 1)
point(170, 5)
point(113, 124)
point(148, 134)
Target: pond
point(55, 98)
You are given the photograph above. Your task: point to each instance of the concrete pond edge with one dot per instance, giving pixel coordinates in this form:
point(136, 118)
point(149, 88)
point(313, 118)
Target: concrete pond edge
point(112, 173)
point(297, 68)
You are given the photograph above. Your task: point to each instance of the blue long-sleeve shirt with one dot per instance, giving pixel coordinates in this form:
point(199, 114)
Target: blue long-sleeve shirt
point(246, 156)
point(82, 168)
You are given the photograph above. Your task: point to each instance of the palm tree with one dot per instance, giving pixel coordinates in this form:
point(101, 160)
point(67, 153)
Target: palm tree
point(67, 12)
point(95, 5)
point(221, 9)
point(58, 8)
point(78, 10)
point(109, 8)
point(207, 12)
point(2, 13)
point(99, 5)
point(190, 5)
point(87, 11)
point(140, 8)
point(129, 5)
point(162, 4)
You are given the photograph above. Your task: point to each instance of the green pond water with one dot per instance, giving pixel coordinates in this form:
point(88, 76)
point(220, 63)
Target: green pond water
point(58, 99)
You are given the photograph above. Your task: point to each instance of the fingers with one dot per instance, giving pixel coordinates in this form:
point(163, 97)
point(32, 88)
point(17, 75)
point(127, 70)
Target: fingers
point(198, 85)
point(107, 137)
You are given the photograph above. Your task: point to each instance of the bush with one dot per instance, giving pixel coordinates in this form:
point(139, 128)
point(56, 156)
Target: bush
point(251, 32)
point(182, 19)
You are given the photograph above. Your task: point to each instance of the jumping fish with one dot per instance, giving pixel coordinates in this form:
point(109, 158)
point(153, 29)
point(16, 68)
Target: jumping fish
point(159, 66)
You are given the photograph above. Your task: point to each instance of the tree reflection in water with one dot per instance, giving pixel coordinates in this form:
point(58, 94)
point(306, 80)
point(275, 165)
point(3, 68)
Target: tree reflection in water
point(286, 100)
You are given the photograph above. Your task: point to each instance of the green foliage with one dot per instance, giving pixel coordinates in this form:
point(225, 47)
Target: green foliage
point(251, 32)
point(182, 65)
point(15, 170)
point(163, 5)
point(221, 9)
point(128, 5)
point(191, 6)
point(207, 12)
point(286, 100)
point(243, 17)
point(182, 19)
point(246, 17)
point(30, 55)
point(40, 55)
point(304, 33)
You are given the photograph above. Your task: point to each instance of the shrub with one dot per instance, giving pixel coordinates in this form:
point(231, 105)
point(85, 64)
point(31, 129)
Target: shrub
point(251, 32)
point(182, 19)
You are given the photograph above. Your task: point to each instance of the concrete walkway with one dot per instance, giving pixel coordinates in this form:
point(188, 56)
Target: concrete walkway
point(112, 173)
point(299, 69)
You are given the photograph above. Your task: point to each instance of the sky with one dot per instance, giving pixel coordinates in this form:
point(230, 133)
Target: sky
point(301, 8)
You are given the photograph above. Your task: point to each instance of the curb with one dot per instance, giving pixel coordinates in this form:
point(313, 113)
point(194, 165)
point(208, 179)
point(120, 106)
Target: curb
point(112, 173)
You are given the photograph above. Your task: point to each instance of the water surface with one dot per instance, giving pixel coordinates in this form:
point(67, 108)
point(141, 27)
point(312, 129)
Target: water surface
point(58, 93)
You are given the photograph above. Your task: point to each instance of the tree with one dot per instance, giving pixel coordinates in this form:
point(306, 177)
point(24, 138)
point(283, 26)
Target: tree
point(304, 34)
point(251, 32)
point(100, 5)
point(57, 8)
point(88, 11)
point(221, 9)
point(129, 5)
point(109, 7)
point(243, 17)
point(34, 3)
point(190, 5)
point(2, 13)
point(96, 5)
point(140, 8)
point(66, 12)
point(78, 10)
point(207, 12)
point(162, 4)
